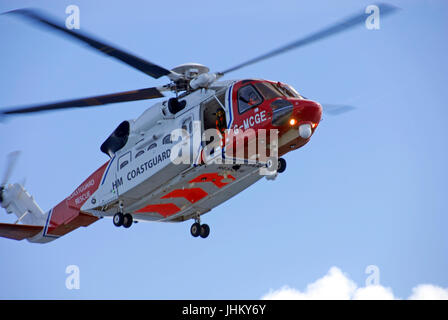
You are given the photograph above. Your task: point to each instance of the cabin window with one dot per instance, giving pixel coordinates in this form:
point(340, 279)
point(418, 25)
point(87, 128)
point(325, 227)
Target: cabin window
point(139, 153)
point(209, 110)
point(248, 97)
point(124, 160)
point(152, 146)
point(221, 96)
point(187, 125)
point(124, 164)
point(167, 139)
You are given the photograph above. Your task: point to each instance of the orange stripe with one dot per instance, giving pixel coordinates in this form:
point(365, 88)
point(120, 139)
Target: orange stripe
point(165, 209)
point(193, 195)
point(214, 178)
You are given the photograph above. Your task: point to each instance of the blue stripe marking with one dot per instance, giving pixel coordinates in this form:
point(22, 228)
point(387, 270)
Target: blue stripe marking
point(229, 104)
point(107, 170)
point(46, 226)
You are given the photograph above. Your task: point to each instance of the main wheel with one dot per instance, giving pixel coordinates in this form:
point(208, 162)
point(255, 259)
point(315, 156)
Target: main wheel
point(127, 220)
point(205, 231)
point(195, 229)
point(118, 219)
point(281, 165)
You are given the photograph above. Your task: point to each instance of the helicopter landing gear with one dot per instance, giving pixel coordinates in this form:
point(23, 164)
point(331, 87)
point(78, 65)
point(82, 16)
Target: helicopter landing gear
point(124, 220)
point(281, 165)
point(118, 219)
point(121, 219)
point(127, 220)
point(197, 229)
point(205, 231)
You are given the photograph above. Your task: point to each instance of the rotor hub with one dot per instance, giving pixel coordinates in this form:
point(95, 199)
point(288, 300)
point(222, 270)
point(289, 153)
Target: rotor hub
point(191, 70)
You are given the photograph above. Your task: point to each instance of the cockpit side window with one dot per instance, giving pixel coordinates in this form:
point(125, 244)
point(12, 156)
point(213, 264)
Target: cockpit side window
point(248, 97)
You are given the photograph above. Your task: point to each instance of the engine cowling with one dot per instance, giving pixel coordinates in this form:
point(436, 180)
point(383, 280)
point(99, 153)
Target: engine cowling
point(117, 139)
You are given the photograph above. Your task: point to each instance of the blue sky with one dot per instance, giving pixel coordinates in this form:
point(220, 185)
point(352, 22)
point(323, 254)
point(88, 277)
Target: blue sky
point(369, 189)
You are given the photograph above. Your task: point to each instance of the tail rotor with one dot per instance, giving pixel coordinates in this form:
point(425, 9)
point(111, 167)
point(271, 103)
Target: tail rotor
point(11, 162)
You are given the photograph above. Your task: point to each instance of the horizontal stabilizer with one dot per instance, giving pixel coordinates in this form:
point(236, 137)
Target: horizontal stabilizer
point(18, 231)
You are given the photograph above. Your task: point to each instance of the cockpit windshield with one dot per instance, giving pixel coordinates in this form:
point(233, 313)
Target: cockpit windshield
point(290, 91)
point(271, 91)
point(267, 90)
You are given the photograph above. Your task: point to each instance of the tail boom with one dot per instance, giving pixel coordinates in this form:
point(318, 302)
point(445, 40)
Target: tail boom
point(43, 227)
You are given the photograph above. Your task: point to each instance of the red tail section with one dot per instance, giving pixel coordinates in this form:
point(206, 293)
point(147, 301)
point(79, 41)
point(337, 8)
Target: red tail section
point(66, 216)
point(18, 231)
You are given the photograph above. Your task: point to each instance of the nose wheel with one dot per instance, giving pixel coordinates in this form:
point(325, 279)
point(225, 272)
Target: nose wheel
point(199, 230)
point(281, 165)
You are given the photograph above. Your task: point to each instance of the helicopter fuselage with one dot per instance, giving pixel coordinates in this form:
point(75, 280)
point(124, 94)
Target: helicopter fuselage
point(142, 179)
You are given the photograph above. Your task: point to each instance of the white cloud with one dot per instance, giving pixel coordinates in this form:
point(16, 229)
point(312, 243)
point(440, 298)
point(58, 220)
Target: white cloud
point(375, 292)
point(336, 285)
point(429, 292)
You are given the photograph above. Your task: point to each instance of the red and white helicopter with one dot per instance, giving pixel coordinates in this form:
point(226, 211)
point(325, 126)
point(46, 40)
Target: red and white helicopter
point(142, 181)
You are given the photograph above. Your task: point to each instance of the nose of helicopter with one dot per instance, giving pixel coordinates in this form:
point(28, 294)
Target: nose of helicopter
point(305, 117)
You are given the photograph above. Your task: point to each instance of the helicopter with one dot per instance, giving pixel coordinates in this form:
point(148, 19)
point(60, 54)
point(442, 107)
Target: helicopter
point(181, 157)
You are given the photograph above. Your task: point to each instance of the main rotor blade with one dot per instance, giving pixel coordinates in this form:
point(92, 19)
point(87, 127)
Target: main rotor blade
point(144, 66)
point(344, 25)
point(11, 162)
point(134, 95)
point(336, 109)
